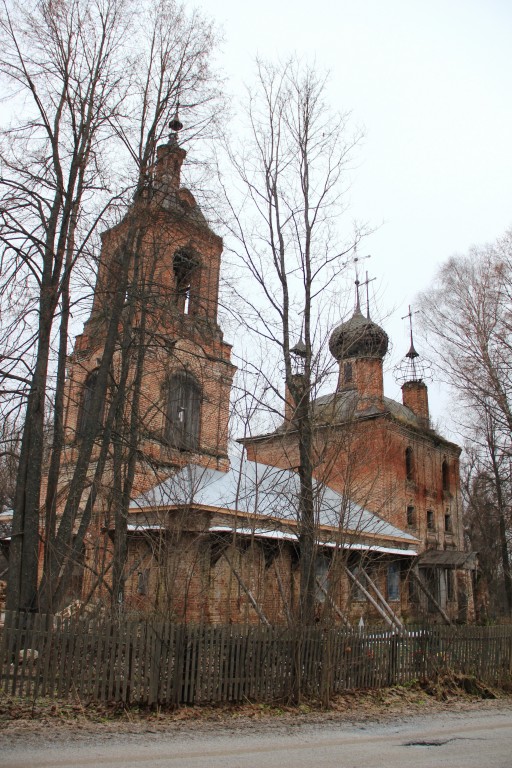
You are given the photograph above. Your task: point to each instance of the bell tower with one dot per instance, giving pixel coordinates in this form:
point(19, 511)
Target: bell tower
point(169, 322)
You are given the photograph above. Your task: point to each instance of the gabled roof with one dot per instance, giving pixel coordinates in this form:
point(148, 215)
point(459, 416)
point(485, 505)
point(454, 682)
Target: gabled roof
point(256, 489)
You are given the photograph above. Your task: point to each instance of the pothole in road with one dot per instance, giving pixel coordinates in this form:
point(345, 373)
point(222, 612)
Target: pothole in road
point(435, 742)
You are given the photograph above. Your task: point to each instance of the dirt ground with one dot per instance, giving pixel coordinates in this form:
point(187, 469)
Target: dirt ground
point(32, 722)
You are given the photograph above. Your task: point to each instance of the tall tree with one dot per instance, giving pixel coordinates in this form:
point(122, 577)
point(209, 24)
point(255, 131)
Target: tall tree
point(291, 174)
point(61, 58)
point(468, 312)
point(97, 106)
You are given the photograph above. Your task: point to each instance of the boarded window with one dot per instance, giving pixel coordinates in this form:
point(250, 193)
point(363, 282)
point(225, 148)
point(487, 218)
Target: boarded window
point(143, 582)
point(183, 412)
point(85, 413)
point(393, 581)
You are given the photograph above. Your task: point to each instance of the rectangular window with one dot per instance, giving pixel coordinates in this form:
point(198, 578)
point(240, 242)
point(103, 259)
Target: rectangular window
point(322, 565)
point(393, 581)
point(448, 523)
point(411, 517)
point(142, 582)
point(430, 520)
point(450, 589)
point(432, 584)
point(412, 589)
point(357, 592)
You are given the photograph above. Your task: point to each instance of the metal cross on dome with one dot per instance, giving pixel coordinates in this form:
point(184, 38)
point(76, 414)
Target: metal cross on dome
point(410, 369)
point(412, 352)
point(355, 261)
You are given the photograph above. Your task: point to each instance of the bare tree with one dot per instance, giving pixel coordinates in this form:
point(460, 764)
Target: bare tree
point(291, 176)
point(62, 61)
point(467, 312)
point(92, 96)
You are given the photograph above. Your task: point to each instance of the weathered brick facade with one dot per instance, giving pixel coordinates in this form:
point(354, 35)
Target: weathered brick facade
point(385, 456)
point(182, 335)
point(202, 563)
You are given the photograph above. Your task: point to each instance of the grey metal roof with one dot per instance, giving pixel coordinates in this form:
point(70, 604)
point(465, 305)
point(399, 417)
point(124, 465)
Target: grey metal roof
point(256, 488)
point(341, 406)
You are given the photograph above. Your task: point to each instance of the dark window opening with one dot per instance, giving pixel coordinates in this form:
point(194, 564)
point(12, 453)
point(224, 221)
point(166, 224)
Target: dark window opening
point(362, 581)
point(184, 265)
point(85, 413)
point(411, 517)
point(450, 585)
point(409, 464)
point(322, 565)
point(431, 577)
point(143, 582)
point(446, 475)
point(76, 577)
point(412, 589)
point(393, 581)
point(347, 373)
point(183, 412)
point(430, 520)
point(448, 526)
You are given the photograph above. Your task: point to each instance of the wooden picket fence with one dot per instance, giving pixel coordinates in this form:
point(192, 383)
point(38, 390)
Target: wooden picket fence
point(148, 661)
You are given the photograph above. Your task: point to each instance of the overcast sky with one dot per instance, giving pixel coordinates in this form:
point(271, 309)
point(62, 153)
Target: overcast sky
point(430, 82)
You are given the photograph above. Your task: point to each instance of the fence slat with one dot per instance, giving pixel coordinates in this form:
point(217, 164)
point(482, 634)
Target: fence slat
point(148, 662)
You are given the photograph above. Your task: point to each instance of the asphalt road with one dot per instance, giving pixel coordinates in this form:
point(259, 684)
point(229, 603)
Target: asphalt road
point(482, 740)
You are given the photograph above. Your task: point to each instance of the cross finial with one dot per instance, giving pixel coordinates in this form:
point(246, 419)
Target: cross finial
point(412, 352)
point(367, 284)
point(355, 260)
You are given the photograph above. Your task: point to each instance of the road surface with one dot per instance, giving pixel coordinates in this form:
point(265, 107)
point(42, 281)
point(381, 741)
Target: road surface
point(458, 740)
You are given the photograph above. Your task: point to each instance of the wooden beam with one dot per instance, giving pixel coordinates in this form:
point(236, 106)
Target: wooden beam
point(333, 604)
point(383, 600)
point(375, 604)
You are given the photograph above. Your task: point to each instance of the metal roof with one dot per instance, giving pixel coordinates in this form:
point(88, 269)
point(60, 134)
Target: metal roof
point(258, 489)
point(271, 533)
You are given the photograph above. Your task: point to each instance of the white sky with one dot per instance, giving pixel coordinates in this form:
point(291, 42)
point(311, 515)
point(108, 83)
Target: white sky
point(430, 82)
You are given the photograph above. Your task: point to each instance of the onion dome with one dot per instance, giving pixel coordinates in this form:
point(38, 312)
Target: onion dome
point(358, 337)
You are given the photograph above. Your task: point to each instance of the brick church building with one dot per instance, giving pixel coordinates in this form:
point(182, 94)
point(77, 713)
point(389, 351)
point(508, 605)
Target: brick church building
point(217, 542)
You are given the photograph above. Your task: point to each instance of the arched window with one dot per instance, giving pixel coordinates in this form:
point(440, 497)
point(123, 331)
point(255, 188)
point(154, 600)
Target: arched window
point(347, 373)
point(184, 266)
point(409, 464)
point(446, 475)
point(84, 414)
point(183, 411)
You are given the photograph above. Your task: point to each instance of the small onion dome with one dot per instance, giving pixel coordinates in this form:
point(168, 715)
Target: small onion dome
point(358, 337)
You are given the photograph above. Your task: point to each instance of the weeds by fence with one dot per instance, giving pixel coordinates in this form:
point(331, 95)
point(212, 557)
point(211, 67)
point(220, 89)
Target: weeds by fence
point(149, 662)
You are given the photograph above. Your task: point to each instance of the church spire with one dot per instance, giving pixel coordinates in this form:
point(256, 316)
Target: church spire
point(411, 373)
point(170, 157)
